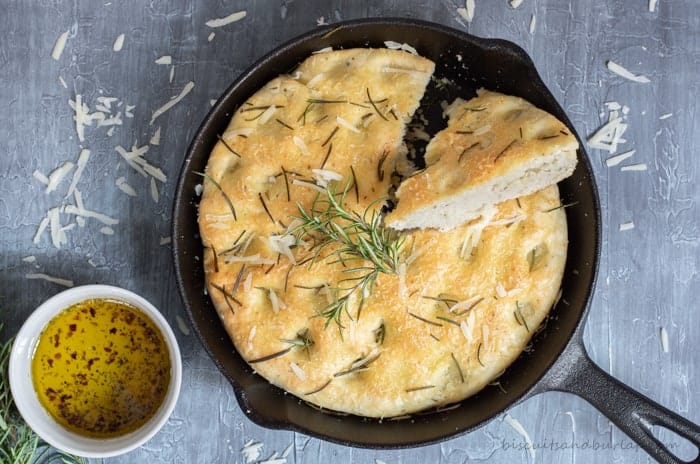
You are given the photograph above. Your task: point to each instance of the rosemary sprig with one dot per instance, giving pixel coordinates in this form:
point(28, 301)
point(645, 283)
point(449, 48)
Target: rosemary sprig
point(358, 241)
point(302, 340)
point(18, 443)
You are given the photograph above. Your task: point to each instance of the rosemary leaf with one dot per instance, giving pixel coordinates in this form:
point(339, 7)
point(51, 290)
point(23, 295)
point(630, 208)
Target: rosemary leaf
point(369, 97)
point(262, 200)
point(459, 369)
point(228, 147)
point(216, 184)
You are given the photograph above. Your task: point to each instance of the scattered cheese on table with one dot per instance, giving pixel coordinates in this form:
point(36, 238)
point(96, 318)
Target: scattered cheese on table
point(59, 46)
point(172, 102)
point(617, 159)
point(232, 18)
point(634, 167)
point(623, 72)
point(518, 427)
point(467, 13)
point(52, 279)
point(664, 339)
point(626, 226)
point(118, 43)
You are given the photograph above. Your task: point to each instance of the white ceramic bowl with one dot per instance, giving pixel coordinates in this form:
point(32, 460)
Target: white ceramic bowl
point(39, 419)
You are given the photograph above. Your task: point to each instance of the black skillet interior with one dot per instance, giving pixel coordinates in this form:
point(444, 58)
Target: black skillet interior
point(469, 63)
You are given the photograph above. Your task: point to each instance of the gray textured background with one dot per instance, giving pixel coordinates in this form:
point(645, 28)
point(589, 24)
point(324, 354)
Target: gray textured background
point(648, 275)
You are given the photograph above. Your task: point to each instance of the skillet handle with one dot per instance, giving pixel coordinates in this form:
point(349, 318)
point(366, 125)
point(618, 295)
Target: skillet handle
point(632, 412)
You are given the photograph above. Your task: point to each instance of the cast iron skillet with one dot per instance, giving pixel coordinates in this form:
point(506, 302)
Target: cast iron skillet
point(558, 360)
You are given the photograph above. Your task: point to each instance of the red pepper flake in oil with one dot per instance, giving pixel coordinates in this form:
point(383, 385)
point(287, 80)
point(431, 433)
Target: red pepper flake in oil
point(122, 375)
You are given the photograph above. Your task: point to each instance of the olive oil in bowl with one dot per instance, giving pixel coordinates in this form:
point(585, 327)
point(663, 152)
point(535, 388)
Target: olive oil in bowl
point(101, 368)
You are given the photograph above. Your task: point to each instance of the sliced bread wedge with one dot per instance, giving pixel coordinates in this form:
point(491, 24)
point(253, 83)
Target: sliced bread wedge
point(495, 148)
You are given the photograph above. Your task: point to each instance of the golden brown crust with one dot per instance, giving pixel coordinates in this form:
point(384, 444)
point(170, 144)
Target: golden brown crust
point(406, 350)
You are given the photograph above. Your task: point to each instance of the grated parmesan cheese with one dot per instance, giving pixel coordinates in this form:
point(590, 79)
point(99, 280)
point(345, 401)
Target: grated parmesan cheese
point(465, 304)
point(346, 124)
point(155, 139)
point(40, 177)
point(664, 339)
point(107, 230)
point(251, 451)
point(63, 82)
point(466, 331)
point(82, 162)
point(500, 290)
point(301, 145)
point(609, 136)
point(211, 36)
point(626, 226)
point(485, 336)
point(623, 72)
point(665, 116)
point(634, 167)
point(232, 18)
point(58, 236)
point(253, 259)
point(518, 427)
point(103, 218)
point(282, 244)
point(652, 5)
point(29, 259)
point(155, 196)
point(242, 132)
point(533, 23)
point(118, 43)
point(515, 3)
point(251, 335)
point(124, 187)
point(59, 46)
point(482, 130)
point(467, 13)
point(274, 459)
point(248, 283)
point(390, 44)
point(314, 80)
point(325, 176)
point(172, 102)
point(321, 21)
point(267, 114)
point(323, 50)
point(617, 159)
point(276, 301)
point(40, 230)
point(82, 116)
point(56, 280)
point(57, 175)
point(165, 59)
point(303, 183)
point(298, 371)
point(165, 240)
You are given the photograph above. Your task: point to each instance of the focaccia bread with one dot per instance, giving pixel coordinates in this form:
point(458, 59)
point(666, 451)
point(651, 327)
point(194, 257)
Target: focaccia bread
point(496, 147)
point(456, 311)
